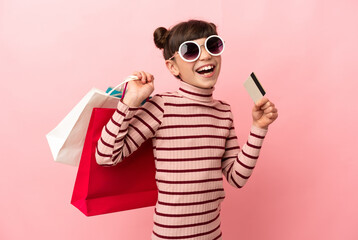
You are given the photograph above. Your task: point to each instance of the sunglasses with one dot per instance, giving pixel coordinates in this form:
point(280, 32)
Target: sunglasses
point(190, 51)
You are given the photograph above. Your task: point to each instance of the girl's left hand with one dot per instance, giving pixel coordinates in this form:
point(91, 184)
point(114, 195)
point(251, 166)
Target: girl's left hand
point(264, 113)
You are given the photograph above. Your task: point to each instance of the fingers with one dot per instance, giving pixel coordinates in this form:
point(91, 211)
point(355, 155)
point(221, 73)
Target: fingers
point(272, 115)
point(144, 76)
point(270, 109)
point(261, 102)
point(264, 103)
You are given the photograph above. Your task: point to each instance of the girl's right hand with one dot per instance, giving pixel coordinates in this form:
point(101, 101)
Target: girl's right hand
point(138, 90)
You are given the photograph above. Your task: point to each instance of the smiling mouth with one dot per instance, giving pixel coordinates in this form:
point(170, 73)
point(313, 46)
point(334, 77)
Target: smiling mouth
point(206, 70)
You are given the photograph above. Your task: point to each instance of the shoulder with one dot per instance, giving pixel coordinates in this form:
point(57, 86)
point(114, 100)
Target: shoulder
point(160, 99)
point(223, 104)
point(169, 95)
point(225, 108)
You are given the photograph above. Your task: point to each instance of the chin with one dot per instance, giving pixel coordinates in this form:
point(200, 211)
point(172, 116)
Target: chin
point(204, 85)
point(207, 83)
point(210, 85)
point(202, 82)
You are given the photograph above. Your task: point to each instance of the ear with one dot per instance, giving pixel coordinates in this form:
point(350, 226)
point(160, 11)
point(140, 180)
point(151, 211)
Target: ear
point(172, 67)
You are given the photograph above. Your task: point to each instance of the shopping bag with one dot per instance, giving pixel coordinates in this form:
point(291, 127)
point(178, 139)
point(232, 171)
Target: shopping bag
point(67, 138)
point(128, 185)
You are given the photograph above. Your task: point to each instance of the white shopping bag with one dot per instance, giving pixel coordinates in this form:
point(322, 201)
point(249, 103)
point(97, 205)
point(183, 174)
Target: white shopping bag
point(67, 138)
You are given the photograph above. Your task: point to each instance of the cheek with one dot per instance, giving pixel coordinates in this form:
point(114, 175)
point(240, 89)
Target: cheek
point(188, 68)
point(218, 59)
point(185, 67)
point(218, 63)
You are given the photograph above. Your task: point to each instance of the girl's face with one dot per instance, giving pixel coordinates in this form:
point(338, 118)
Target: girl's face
point(202, 73)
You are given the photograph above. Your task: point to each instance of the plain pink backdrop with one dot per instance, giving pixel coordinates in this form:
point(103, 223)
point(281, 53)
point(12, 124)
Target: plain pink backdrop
point(304, 52)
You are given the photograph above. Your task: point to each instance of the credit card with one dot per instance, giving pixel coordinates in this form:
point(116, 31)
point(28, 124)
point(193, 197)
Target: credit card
point(254, 88)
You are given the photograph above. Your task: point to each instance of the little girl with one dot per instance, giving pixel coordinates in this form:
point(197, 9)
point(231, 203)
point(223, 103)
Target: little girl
point(193, 135)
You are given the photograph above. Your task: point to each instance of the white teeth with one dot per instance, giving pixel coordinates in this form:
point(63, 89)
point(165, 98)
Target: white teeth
point(206, 68)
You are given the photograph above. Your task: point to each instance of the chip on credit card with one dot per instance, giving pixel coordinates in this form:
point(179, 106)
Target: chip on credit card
point(254, 88)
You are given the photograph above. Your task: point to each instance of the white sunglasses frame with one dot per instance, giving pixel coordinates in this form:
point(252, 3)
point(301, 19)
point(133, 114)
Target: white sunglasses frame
point(199, 46)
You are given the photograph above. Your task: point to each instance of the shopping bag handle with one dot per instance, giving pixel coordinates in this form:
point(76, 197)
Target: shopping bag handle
point(129, 78)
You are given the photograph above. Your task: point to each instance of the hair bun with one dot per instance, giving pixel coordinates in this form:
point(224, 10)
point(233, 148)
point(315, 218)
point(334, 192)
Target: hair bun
point(160, 37)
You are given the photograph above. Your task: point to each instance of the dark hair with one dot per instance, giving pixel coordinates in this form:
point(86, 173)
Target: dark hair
point(170, 40)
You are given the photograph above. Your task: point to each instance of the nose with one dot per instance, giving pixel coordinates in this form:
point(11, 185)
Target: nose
point(204, 55)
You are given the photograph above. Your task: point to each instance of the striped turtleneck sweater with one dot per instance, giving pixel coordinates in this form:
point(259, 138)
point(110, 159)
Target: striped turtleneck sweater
point(194, 146)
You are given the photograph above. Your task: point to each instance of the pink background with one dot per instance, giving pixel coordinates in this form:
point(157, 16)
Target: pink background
point(304, 52)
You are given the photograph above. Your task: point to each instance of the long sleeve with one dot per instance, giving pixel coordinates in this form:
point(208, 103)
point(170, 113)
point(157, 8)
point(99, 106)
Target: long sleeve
point(128, 129)
point(237, 165)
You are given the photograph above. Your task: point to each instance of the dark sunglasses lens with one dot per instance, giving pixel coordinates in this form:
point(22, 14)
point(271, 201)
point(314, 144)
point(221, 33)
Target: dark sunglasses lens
point(215, 45)
point(189, 51)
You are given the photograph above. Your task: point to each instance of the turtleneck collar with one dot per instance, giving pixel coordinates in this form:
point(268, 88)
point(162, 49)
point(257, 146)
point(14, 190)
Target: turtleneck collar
point(196, 93)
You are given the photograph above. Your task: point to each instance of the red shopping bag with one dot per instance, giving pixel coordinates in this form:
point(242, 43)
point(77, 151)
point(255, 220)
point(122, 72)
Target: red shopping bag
point(128, 185)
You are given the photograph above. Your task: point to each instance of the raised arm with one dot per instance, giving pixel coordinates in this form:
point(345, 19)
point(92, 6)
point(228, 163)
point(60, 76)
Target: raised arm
point(130, 125)
point(237, 165)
